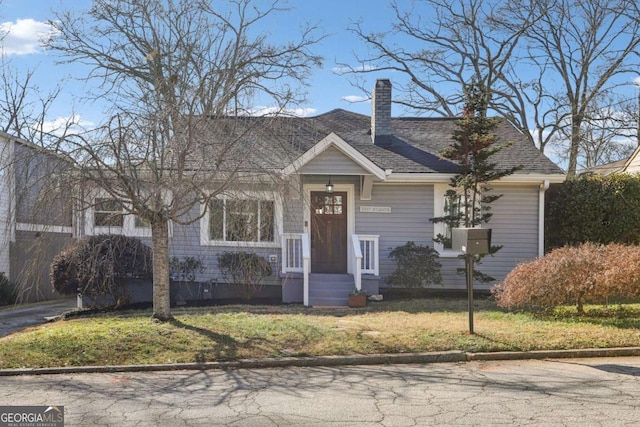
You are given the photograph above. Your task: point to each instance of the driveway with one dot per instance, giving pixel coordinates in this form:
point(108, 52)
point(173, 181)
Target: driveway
point(16, 318)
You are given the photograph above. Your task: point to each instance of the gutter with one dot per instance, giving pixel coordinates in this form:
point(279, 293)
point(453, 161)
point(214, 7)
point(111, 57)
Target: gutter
point(544, 186)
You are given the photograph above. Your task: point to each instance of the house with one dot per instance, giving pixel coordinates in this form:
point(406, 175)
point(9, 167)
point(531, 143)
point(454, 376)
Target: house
point(628, 165)
point(33, 228)
point(355, 187)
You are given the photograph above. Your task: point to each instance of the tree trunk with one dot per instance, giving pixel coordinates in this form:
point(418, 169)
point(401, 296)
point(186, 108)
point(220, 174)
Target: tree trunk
point(161, 285)
point(576, 137)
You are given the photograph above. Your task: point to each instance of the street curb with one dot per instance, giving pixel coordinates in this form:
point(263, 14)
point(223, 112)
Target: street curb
point(378, 359)
point(556, 354)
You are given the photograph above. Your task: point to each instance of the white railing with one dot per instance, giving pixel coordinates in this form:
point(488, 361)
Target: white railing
point(370, 254)
point(296, 258)
point(357, 254)
point(306, 267)
point(292, 260)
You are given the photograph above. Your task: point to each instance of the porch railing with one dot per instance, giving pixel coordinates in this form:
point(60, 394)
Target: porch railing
point(292, 259)
point(370, 253)
point(296, 258)
point(357, 255)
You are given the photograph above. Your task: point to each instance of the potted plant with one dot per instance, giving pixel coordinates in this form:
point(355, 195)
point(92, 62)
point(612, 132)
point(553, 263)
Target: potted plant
point(357, 298)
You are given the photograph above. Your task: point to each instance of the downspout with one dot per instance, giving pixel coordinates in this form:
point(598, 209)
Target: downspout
point(543, 188)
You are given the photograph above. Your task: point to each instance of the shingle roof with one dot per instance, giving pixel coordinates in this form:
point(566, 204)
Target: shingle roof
point(414, 147)
point(606, 169)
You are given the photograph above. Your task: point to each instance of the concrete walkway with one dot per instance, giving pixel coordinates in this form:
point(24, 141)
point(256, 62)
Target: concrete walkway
point(17, 317)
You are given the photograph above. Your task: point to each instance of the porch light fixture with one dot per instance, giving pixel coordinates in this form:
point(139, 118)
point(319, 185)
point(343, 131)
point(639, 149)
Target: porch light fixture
point(329, 187)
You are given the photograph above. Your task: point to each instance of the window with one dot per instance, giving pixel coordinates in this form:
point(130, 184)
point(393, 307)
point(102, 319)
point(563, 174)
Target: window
point(108, 213)
point(450, 206)
point(141, 222)
point(232, 220)
point(453, 209)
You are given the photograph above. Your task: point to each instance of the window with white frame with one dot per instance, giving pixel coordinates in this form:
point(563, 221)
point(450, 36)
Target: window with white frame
point(240, 220)
point(108, 215)
point(449, 204)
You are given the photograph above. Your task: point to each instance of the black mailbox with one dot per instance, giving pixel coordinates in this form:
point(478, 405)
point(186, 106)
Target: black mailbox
point(471, 241)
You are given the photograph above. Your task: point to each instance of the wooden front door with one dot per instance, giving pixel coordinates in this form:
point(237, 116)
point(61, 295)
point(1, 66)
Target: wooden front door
point(328, 232)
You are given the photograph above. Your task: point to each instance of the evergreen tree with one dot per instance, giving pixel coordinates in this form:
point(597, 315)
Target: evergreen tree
point(467, 203)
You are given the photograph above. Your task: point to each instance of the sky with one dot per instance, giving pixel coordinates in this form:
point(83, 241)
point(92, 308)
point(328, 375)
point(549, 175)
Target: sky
point(25, 20)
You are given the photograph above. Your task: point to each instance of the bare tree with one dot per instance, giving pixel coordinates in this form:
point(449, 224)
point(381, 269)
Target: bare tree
point(581, 48)
point(458, 41)
point(608, 132)
point(541, 62)
point(179, 76)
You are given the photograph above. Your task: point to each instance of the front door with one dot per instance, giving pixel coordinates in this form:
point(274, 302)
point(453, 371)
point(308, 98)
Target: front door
point(328, 232)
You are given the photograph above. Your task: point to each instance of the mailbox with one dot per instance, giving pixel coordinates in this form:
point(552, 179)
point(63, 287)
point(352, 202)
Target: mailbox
point(471, 241)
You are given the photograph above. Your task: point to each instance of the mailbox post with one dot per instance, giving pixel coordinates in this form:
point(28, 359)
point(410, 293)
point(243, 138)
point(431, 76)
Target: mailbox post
point(471, 242)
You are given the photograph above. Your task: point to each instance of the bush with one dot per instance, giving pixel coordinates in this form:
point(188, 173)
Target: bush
point(588, 273)
point(101, 266)
point(418, 266)
point(594, 208)
point(8, 291)
point(244, 269)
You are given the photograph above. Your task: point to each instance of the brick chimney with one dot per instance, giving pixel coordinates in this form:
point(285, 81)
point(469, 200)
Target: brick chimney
point(381, 111)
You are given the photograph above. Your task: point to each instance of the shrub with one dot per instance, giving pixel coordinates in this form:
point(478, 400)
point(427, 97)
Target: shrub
point(594, 208)
point(572, 275)
point(244, 269)
point(185, 270)
point(8, 291)
point(418, 266)
point(100, 266)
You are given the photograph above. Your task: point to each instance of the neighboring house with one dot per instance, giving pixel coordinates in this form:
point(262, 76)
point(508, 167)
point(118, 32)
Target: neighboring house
point(33, 228)
point(629, 165)
point(357, 187)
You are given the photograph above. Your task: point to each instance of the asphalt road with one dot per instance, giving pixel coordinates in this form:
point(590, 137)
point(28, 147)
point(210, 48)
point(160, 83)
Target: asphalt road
point(15, 318)
point(567, 392)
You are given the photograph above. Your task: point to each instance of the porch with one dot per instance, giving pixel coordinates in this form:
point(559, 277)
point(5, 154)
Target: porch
point(301, 284)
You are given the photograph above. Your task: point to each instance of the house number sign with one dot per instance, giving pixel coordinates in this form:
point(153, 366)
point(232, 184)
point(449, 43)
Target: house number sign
point(376, 209)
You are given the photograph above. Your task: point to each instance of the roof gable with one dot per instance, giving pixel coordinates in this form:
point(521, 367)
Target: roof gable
point(312, 158)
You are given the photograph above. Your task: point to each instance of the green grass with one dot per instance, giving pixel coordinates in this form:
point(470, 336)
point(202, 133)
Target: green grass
point(236, 332)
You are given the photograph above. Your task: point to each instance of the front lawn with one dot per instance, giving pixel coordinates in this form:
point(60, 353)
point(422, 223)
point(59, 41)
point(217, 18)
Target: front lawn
point(237, 332)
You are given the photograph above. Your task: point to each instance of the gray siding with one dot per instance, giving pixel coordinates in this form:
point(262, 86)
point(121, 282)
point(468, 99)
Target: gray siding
point(514, 226)
point(41, 195)
point(185, 242)
point(31, 257)
point(333, 161)
point(5, 207)
point(411, 208)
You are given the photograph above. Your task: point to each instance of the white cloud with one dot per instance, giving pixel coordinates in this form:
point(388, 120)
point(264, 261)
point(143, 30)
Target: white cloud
point(636, 81)
point(348, 68)
point(355, 98)
point(272, 111)
point(24, 36)
point(58, 125)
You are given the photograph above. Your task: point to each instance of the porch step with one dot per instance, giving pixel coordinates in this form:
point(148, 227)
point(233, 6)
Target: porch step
point(330, 290)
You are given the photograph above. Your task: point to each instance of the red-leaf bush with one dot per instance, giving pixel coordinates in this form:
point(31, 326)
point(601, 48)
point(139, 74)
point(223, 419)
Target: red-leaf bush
point(588, 273)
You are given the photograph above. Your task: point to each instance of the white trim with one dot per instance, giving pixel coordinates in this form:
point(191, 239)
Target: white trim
point(543, 188)
point(334, 140)
point(43, 228)
point(272, 196)
point(351, 217)
point(129, 220)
